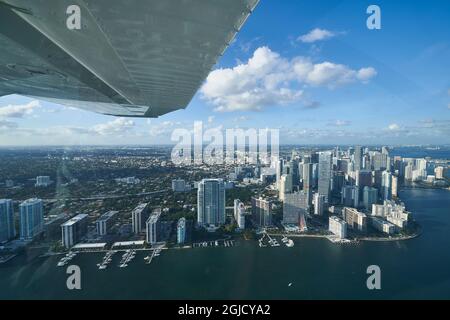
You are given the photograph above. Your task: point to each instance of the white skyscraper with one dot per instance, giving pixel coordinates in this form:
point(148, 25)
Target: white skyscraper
point(319, 204)
point(153, 227)
point(139, 218)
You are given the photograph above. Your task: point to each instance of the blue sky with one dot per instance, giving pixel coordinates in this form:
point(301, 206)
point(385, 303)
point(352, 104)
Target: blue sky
point(309, 68)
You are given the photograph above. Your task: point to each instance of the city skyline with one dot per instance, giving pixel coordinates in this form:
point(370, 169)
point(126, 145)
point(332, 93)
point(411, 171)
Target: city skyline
point(321, 77)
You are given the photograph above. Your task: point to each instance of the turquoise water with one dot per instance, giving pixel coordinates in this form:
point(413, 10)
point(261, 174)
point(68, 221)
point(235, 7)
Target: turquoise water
point(317, 269)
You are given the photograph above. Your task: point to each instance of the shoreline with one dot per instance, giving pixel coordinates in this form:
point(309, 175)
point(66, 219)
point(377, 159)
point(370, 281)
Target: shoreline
point(366, 239)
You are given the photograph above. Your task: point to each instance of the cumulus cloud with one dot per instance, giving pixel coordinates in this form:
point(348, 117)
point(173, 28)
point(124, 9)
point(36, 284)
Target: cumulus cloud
point(18, 110)
point(268, 79)
point(316, 34)
point(211, 119)
point(116, 126)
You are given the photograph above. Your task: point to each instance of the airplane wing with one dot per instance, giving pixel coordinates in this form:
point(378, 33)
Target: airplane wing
point(137, 58)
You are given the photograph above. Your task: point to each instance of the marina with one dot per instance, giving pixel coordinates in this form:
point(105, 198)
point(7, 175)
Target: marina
point(107, 259)
point(217, 243)
point(273, 242)
point(127, 257)
point(66, 259)
point(155, 253)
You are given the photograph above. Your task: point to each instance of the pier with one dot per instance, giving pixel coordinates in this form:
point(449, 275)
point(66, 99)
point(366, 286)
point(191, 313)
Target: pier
point(217, 243)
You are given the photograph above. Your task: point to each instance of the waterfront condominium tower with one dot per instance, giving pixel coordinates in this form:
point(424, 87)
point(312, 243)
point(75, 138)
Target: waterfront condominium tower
point(31, 218)
point(261, 212)
point(211, 202)
point(7, 229)
point(73, 230)
point(324, 174)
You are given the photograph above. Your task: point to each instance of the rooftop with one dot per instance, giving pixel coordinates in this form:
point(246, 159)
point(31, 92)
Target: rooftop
point(74, 220)
point(108, 215)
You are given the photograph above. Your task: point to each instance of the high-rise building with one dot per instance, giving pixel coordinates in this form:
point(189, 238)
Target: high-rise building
point(42, 181)
point(370, 197)
point(139, 217)
point(355, 219)
point(409, 172)
point(308, 180)
point(319, 204)
point(153, 228)
point(181, 231)
point(439, 172)
point(294, 205)
point(295, 173)
point(338, 227)
point(324, 174)
point(279, 172)
point(363, 178)
point(239, 213)
point(211, 202)
point(7, 227)
point(386, 185)
point(350, 196)
point(285, 186)
point(262, 212)
point(105, 222)
point(357, 158)
point(394, 186)
point(31, 213)
point(73, 230)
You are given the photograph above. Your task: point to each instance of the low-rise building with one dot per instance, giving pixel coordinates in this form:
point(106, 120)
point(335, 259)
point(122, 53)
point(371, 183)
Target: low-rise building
point(356, 220)
point(382, 225)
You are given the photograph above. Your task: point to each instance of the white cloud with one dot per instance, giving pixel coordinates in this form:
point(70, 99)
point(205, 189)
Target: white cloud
point(211, 119)
point(116, 126)
point(394, 127)
point(365, 74)
point(18, 110)
point(268, 79)
point(316, 35)
point(163, 129)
